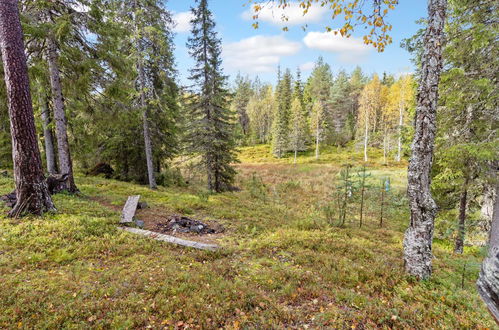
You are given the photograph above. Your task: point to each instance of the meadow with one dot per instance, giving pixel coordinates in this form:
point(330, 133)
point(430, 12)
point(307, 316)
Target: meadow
point(286, 260)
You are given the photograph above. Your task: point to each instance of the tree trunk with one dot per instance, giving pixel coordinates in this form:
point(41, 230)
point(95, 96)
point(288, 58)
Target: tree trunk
point(31, 189)
point(147, 132)
point(488, 281)
point(296, 154)
point(317, 138)
point(65, 162)
point(419, 236)
point(48, 135)
point(462, 219)
point(384, 147)
point(401, 123)
point(366, 139)
point(145, 115)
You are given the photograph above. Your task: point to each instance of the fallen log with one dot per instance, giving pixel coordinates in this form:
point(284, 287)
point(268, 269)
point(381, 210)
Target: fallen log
point(171, 239)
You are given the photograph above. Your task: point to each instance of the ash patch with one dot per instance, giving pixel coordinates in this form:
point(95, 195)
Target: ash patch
point(182, 224)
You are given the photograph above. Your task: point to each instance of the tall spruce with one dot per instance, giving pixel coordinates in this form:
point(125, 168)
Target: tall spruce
point(139, 108)
point(211, 125)
point(280, 126)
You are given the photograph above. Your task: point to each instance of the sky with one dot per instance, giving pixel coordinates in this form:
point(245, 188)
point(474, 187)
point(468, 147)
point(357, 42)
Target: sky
point(258, 52)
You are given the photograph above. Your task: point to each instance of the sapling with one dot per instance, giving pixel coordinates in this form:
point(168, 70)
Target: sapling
point(385, 188)
point(362, 176)
point(346, 186)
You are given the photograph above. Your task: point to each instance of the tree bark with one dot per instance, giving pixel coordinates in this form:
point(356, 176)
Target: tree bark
point(47, 135)
point(317, 138)
point(31, 189)
point(488, 281)
point(366, 138)
point(65, 162)
point(463, 203)
point(401, 123)
point(419, 236)
point(147, 132)
point(145, 115)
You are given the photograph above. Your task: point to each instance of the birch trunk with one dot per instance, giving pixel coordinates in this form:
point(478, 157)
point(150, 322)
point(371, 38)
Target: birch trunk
point(401, 122)
point(366, 139)
point(317, 138)
point(419, 236)
point(48, 136)
point(31, 189)
point(65, 162)
point(488, 281)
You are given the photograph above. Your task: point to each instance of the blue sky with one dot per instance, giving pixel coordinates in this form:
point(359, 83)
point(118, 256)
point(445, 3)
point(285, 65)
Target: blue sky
point(259, 52)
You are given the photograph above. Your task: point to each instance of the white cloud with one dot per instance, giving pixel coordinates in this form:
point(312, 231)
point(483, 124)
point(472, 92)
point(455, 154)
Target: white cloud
point(308, 66)
point(258, 53)
point(349, 50)
point(291, 15)
point(182, 21)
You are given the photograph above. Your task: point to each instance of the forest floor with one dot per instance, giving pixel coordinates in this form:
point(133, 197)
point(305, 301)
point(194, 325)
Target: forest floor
point(285, 263)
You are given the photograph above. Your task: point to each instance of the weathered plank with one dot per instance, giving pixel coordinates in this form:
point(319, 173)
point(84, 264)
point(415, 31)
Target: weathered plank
point(171, 239)
point(129, 209)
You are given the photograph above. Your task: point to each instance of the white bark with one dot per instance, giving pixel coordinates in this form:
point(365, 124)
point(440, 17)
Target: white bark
point(419, 236)
point(317, 137)
point(366, 138)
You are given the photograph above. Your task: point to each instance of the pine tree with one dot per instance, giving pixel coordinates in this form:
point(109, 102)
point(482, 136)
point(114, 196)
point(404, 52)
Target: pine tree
point(211, 126)
point(318, 90)
point(343, 117)
point(31, 190)
point(298, 127)
point(280, 126)
point(242, 96)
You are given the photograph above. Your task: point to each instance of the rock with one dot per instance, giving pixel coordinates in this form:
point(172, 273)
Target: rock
point(139, 223)
point(142, 206)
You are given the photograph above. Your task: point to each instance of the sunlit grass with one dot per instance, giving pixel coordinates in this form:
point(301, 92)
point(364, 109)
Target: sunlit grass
point(282, 265)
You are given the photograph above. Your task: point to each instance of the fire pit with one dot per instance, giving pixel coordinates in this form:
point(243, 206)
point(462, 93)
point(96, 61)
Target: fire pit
point(182, 224)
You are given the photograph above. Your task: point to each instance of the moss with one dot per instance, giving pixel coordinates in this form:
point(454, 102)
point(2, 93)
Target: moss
point(282, 265)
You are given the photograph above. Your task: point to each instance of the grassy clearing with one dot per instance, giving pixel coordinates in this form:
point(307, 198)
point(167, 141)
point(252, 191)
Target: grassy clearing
point(282, 264)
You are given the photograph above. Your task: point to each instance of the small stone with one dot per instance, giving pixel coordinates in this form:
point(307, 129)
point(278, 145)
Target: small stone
point(139, 223)
point(142, 206)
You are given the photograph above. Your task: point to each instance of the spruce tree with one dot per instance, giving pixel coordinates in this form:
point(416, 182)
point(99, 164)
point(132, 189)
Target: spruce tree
point(242, 96)
point(211, 123)
point(280, 126)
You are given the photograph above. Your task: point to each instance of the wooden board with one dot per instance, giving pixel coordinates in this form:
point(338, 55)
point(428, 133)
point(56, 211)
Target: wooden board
point(171, 239)
point(129, 209)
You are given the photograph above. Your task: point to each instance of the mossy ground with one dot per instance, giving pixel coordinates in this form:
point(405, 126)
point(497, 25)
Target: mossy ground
point(282, 266)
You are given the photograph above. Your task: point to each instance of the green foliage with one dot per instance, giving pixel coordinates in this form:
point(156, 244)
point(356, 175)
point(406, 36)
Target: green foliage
point(210, 128)
point(280, 125)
